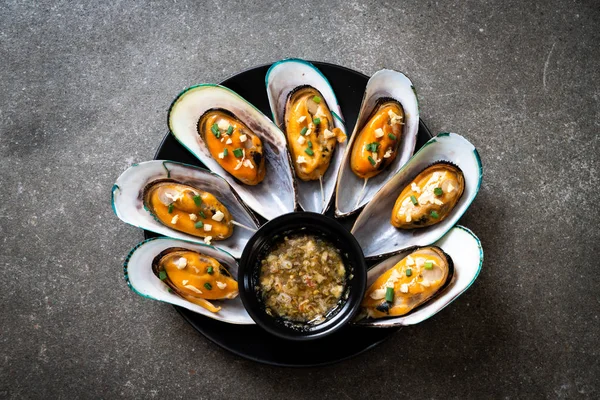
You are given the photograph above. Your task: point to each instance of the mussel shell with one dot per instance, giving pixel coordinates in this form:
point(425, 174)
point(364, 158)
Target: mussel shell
point(284, 77)
point(276, 194)
point(128, 200)
point(466, 253)
point(141, 278)
point(384, 84)
point(373, 229)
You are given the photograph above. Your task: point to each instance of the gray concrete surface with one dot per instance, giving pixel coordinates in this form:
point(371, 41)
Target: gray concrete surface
point(84, 89)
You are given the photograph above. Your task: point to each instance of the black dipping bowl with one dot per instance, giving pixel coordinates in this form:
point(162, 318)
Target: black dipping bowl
point(270, 234)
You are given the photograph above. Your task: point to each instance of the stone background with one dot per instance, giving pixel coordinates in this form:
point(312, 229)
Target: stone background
point(84, 89)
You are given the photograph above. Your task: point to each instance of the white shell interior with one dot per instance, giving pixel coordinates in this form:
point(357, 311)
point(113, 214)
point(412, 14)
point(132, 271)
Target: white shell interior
point(465, 250)
point(283, 77)
point(141, 279)
point(127, 200)
point(276, 194)
point(384, 83)
point(373, 229)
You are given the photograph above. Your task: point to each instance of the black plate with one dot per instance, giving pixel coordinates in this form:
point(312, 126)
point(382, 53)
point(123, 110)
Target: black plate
point(250, 341)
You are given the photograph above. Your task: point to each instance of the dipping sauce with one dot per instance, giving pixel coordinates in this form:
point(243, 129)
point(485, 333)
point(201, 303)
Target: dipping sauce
point(302, 279)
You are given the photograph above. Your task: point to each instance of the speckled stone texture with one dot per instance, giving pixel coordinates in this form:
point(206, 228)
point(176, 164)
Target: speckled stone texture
point(84, 90)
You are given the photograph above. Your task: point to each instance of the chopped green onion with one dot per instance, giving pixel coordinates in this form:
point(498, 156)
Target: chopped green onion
point(414, 200)
point(310, 144)
point(435, 215)
point(389, 294)
point(171, 206)
point(199, 225)
point(215, 130)
point(438, 191)
point(202, 214)
point(303, 131)
point(162, 275)
point(229, 130)
point(238, 153)
point(392, 136)
point(210, 270)
point(372, 147)
point(225, 152)
point(408, 272)
point(317, 121)
point(317, 99)
point(309, 152)
point(371, 160)
point(428, 265)
point(208, 286)
point(198, 200)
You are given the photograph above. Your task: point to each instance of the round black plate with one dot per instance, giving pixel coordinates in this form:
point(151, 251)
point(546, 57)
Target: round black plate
point(250, 341)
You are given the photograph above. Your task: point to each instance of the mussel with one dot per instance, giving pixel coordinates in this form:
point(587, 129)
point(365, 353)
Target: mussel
point(187, 209)
point(409, 283)
point(430, 197)
point(233, 145)
point(194, 276)
point(377, 143)
point(310, 132)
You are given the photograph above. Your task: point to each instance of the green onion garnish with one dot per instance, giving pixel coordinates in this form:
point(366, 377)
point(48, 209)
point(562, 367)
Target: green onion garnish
point(225, 152)
point(428, 265)
point(303, 131)
point(371, 160)
point(317, 121)
point(162, 275)
point(389, 294)
point(309, 152)
point(171, 206)
point(210, 270)
point(372, 147)
point(208, 286)
point(202, 214)
point(310, 144)
point(414, 200)
point(392, 136)
point(438, 191)
point(317, 99)
point(198, 200)
point(435, 215)
point(215, 130)
point(199, 225)
point(229, 130)
point(238, 153)
point(408, 272)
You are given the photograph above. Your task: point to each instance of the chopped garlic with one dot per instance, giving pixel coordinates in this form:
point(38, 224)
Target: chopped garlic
point(193, 217)
point(184, 282)
point(248, 163)
point(207, 241)
point(408, 217)
point(420, 261)
point(193, 289)
point(374, 155)
point(378, 294)
point(328, 134)
point(174, 197)
point(221, 155)
point(301, 160)
point(218, 216)
point(438, 202)
point(425, 283)
point(229, 141)
point(221, 285)
point(415, 188)
point(207, 227)
point(388, 153)
point(223, 125)
point(392, 114)
point(181, 263)
point(379, 133)
point(301, 119)
point(243, 138)
point(308, 132)
point(450, 188)
point(410, 261)
point(174, 219)
point(301, 139)
point(404, 288)
point(238, 166)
